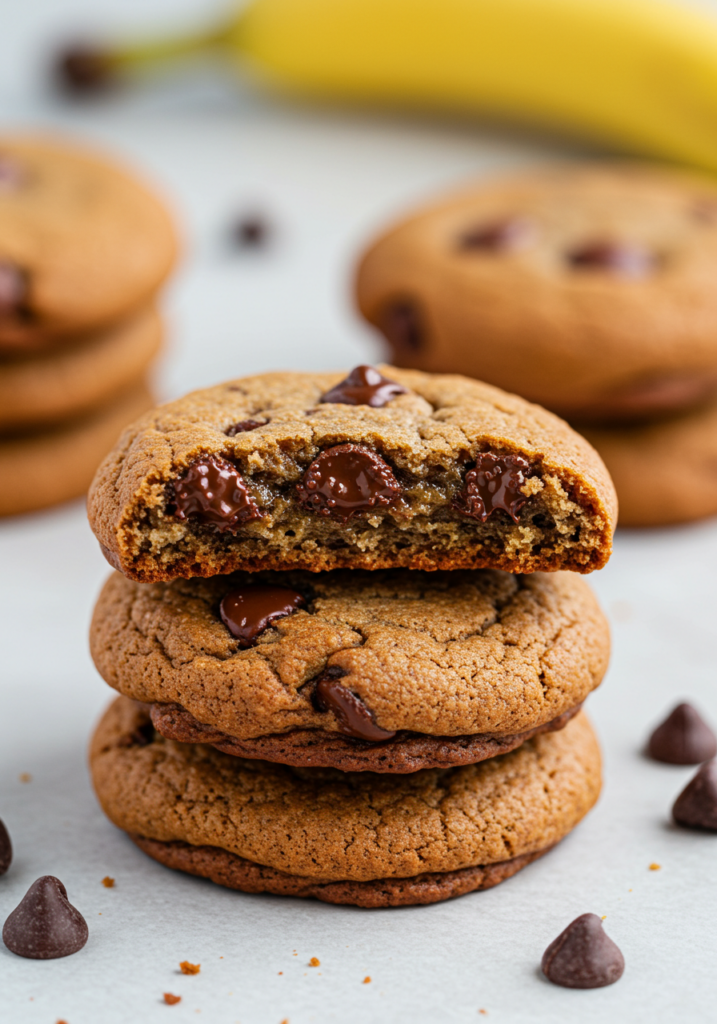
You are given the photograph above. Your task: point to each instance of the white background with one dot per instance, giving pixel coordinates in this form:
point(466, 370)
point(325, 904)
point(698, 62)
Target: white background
point(327, 180)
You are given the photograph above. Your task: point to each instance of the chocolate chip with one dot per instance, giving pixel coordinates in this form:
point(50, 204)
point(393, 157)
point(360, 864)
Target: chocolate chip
point(352, 715)
point(696, 806)
point(13, 290)
point(213, 491)
point(583, 956)
point(622, 259)
point(5, 849)
point(249, 611)
point(683, 738)
point(45, 925)
point(494, 483)
point(82, 70)
point(12, 173)
point(345, 480)
point(497, 236)
point(401, 323)
point(250, 232)
point(364, 386)
point(243, 427)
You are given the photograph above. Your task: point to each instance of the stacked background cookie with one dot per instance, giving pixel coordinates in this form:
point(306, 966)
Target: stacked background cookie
point(350, 657)
point(84, 249)
point(587, 288)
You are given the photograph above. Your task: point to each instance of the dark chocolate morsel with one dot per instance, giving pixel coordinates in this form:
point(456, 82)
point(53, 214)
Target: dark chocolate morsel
point(45, 925)
point(5, 849)
point(696, 806)
point(213, 491)
point(494, 483)
point(583, 956)
point(250, 232)
point(13, 289)
point(347, 479)
point(497, 236)
point(247, 612)
point(401, 323)
point(364, 386)
point(243, 427)
point(352, 715)
point(12, 173)
point(683, 738)
point(626, 260)
point(82, 70)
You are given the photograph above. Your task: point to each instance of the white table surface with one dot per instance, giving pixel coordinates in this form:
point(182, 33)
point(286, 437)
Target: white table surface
point(326, 179)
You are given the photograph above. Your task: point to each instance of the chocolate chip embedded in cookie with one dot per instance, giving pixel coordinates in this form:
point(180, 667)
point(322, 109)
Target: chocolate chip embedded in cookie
point(365, 385)
point(448, 474)
point(366, 839)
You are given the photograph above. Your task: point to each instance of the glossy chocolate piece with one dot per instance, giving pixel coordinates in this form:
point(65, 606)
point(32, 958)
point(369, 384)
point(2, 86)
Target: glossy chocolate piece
point(247, 612)
point(5, 849)
point(243, 427)
point(696, 806)
point(623, 259)
point(83, 70)
point(345, 480)
point(497, 236)
point(13, 290)
point(583, 956)
point(364, 386)
point(352, 715)
point(212, 491)
point(683, 738)
point(45, 925)
point(401, 323)
point(494, 483)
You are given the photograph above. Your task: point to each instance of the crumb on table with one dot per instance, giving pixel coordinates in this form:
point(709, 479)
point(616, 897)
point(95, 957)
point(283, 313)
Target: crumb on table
point(25, 777)
point(187, 968)
point(171, 1000)
point(655, 867)
point(367, 979)
point(109, 883)
point(314, 962)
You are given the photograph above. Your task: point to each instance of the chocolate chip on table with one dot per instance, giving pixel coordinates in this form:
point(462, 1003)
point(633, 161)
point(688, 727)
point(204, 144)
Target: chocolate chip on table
point(345, 480)
point(364, 386)
point(401, 323)
point(5, 849)
point(45, 925)
point(497, 236)
point(696, 806)
point(494, 483)
point(250, 232)
point(626, 260)
point(583, 956)
point(244, 427)
point(212, 491)
point(683, 738)
point(13, 290)
point(247, 612)
point(83, 70)
point(352, 715)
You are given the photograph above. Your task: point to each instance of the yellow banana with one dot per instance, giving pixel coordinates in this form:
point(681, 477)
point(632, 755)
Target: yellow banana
point(640, 74)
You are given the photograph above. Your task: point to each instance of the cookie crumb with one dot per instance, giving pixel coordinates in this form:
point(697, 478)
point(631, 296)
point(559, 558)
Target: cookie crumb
point(109, 883)
point(171, 1000)
point(655, 867)
point(314, 962)
point(281, 972)
point(366, 980)
point(484, 1012)
point(187, 968)
point(25, 777)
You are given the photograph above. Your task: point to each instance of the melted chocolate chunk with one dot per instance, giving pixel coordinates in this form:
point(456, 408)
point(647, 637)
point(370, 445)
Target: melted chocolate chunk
point(5, 849)
point(364, 386)
point(212, 491)
point(13, 290)
point(348, 479)
point(696, 806)
point(45, 925)
point(82, 70)
point(494, 483)
point(497, 236)
point(583, 956)
point(683, 738)
point(12, 173)
point(401, 323)
point(352, 715)
point(244, 427)
point(249, 611)
point(623, 259)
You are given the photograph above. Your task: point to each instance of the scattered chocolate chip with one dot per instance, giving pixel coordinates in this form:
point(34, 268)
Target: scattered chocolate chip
point(352, 715)
point(5, 849)
point(12, 173)
point(249, 611)
point(45, 925)
point(696, 806)
point(494, 483)
point(583, 956)
point(250, 232)
point(347, 479)
point(213, 491)
point(83, 70)
point(622, 259)
point(402, 326)
point(497, 236)
point(683, 738)
point(364, 386)
point(13, 290)
point(244, 427)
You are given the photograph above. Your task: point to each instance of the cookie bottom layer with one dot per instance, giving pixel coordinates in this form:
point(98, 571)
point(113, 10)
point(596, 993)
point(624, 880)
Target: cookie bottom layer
point(406, 752)
point(235, 872)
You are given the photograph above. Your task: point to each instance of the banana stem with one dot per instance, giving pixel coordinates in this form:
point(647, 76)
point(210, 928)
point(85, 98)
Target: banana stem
point(162, 51)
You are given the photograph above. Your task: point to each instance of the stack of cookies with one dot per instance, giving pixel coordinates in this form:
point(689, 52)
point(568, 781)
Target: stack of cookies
point(349, 633)
point(588, 288)
point(83, 251)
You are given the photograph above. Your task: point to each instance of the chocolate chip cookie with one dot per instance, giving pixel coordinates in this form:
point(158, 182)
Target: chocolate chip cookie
point(380, 469)
point(588, 288)
point(388, 671)
point(366, 839)
point(82, 243)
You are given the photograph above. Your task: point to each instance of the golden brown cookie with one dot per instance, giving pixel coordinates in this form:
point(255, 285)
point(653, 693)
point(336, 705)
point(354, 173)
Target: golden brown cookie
point(82, 243)
point(322, 826)
point(54, 385)
point(278, 471)
point(384, 671)
point(49, 466)
point(586, 287)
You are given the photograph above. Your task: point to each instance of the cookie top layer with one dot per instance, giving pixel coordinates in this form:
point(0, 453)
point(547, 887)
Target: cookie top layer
point(82, 243)
point(444, 654)
point(588, 288)
point(332, 825)
point(263, 472)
